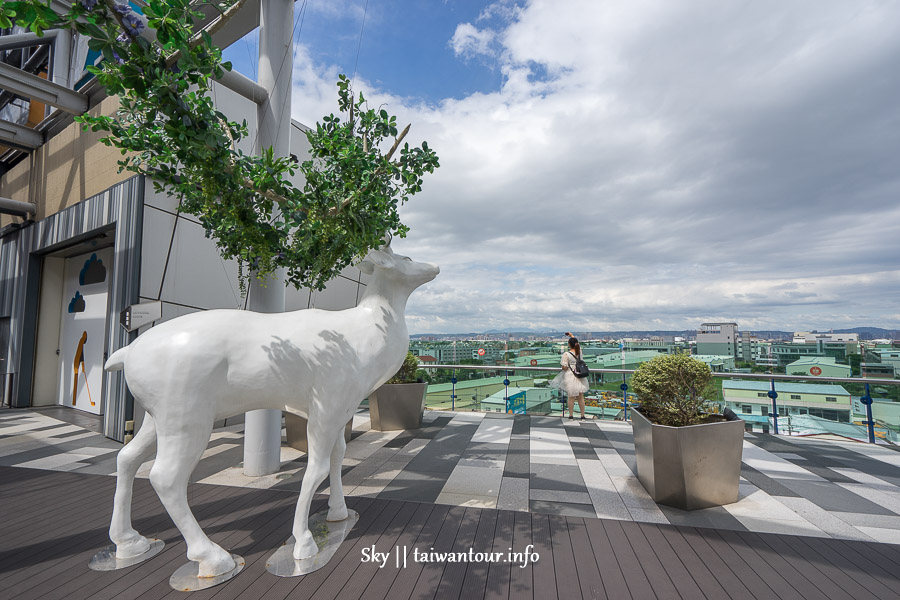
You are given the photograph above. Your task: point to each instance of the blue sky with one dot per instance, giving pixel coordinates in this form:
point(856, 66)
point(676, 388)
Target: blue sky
point(405, 45)
point(634, 164)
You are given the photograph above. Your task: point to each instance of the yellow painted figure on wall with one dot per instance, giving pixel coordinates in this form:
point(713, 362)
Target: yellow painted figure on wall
point(79, 363)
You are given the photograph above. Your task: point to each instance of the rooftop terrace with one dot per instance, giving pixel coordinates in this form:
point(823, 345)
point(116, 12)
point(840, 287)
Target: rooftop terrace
point(814, 520)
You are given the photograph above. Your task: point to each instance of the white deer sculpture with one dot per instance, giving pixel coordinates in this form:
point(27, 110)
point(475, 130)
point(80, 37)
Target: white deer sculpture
point(191, 371)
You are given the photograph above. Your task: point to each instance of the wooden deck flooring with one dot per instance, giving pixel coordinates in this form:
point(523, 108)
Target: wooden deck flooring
point(51, 523)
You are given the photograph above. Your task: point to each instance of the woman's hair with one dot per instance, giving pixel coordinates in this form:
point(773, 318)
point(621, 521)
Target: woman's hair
point(574, 345)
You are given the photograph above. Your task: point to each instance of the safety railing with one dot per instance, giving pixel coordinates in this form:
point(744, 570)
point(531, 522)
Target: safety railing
point(777, 407)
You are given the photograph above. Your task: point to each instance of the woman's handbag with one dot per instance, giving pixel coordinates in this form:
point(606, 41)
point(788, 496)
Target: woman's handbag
point(581, 369)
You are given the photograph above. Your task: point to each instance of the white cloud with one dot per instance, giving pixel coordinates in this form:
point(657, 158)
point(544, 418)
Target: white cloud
point(651, 164)
point(469, 41)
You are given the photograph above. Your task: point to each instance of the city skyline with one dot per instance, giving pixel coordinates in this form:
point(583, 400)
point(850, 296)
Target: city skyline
point(648, 165)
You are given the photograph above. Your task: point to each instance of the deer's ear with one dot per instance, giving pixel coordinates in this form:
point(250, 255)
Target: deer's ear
point(375, 258)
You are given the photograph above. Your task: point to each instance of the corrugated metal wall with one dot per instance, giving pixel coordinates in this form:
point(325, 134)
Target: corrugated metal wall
point(120, 209)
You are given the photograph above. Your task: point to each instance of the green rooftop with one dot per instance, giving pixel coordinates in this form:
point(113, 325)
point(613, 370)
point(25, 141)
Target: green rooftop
point(799, 388)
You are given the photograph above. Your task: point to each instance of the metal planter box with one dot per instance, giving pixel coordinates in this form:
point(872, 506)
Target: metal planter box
point(295, 428)
point(396, 406)
point(690, 467)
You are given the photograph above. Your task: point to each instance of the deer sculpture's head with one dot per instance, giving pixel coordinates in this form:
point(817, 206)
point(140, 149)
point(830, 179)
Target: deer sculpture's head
point(398, 269)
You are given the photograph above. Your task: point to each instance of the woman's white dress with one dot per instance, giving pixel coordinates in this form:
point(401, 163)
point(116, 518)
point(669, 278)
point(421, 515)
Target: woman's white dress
point(566, 380)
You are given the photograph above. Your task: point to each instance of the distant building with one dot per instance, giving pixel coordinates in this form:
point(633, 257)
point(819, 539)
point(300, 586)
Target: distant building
point(818, 366)
point(716, 363)
point(750, 400)
point(718, 339)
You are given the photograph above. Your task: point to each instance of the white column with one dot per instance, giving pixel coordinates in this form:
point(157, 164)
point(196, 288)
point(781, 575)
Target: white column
point(262, 428)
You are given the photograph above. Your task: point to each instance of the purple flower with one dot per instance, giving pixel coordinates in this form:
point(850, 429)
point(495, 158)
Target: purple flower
point(133, 24)
point(122, 9)
point(89, 4)
point(118, 58)
point(123, 38)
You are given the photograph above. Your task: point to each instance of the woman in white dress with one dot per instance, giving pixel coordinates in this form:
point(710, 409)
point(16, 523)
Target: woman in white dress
point(567, 382)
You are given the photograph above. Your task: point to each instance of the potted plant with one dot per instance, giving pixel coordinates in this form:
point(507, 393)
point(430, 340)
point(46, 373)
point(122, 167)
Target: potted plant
point(687, 457)
point(399, 403)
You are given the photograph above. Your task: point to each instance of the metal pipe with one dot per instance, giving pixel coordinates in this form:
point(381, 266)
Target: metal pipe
point(716, 375)
point(244, 86)
point(24, 40)
point(35, 88)
point(16, 208)
point(262, 448)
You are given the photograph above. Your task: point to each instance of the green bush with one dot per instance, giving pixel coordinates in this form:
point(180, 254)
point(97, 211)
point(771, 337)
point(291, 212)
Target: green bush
point(407, 372)
point(672, 389)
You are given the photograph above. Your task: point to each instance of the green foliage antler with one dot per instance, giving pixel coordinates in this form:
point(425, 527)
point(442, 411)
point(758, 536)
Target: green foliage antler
point(168, 128)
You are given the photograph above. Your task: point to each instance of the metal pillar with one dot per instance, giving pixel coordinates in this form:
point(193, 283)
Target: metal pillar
point(869, 422)
point(262, 429)
point(774, 414)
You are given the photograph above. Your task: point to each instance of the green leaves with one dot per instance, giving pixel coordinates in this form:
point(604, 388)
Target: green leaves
point(167, 128)
point(673, 389)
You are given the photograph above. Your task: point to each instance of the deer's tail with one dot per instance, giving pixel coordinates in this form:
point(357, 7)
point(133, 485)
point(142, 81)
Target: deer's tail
point(116, 362)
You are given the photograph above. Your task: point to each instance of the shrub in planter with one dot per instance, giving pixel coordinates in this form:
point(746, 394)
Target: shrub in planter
point(399, 403)
point(686, 457)
point(673, 389)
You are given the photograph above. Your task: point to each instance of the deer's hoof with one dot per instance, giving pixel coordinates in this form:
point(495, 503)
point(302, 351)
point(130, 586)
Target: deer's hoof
point(217, 562)
point(337, 514)
point(305, 547)
point(132, 547)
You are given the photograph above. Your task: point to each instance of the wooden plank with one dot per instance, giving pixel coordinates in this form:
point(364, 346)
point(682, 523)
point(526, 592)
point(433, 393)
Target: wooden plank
point(614, 583)
point(268, 509)
point(773, 567)
point(890, 552)
point(67, 537)
point(660, 578)
point(305, 587)
point(718, 570)
point(755, 581)
point(521, 582)
point(273, 533)
point(475, 580)
point(498, 572)
point(638, 584)
point(589, 578)
point(702, 576)
point(869, 559)
point(544, 571)
point(567, 585)
point(258, 531)
point(424, 525)
point(859, 570)
point(406, 579)
point(430, 577)
point(139, 580)
point(410, 514)
point(319, 584)
point(679, 574)
point(823, 571)
point(451, 580)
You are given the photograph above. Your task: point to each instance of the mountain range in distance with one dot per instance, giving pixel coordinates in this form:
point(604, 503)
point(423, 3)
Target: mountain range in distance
point(865, 333)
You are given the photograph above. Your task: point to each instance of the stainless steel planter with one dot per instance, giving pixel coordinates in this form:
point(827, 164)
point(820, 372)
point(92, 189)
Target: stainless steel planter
point(690, 467)
point(295, 428)
point(396, 406)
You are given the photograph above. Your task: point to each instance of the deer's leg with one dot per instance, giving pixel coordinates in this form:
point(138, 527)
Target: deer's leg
point(178, 454)
point(337, 507)
point(321, 442)
point(129, 542)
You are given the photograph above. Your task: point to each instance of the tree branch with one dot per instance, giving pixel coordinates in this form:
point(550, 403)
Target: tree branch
point(397, 143)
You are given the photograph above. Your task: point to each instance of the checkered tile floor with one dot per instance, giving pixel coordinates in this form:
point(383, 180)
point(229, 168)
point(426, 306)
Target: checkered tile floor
point(538, 464)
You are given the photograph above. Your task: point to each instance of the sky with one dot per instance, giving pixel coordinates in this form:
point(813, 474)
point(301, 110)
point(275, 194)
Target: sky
point(632, 165)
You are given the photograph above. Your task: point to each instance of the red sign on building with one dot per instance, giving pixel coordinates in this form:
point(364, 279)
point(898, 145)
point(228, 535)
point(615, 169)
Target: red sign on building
point(815, 371)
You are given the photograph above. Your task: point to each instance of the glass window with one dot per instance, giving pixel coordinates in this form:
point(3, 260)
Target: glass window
point(830, 399)
point(747, 409)
point(795, 396)
point(762, 394)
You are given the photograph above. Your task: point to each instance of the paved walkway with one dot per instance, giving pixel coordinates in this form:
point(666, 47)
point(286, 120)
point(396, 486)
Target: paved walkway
point(542, 465)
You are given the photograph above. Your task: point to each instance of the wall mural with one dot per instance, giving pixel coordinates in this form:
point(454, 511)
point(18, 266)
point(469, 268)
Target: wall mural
point(76, 304)
point(93, 271)
point(79, 362)
point(83, 330)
